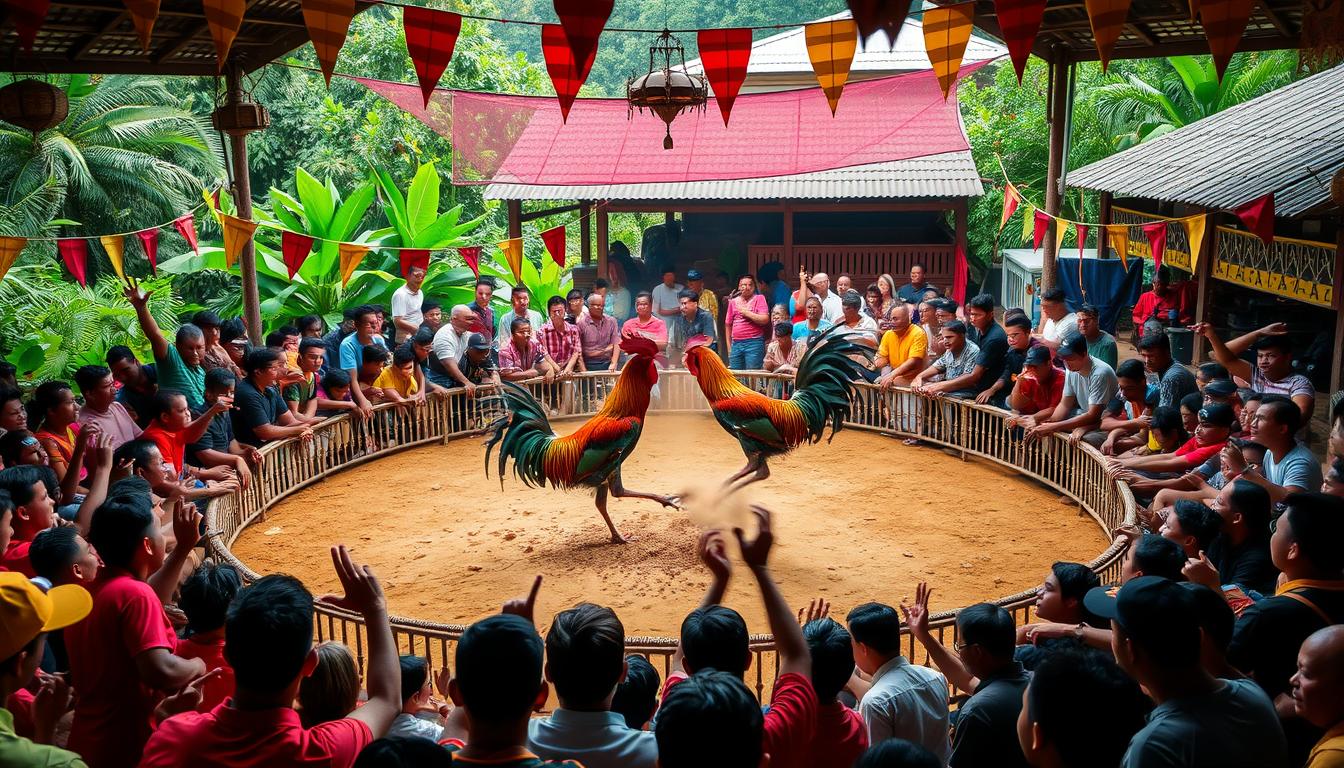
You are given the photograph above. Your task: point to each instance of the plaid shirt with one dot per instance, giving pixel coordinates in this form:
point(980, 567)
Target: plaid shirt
point(511, 360)
point(560, 344)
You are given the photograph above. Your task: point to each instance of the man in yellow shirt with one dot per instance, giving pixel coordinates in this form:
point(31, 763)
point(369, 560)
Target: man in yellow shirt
point(1318, 693)
point(903, 352)
point(397, 381)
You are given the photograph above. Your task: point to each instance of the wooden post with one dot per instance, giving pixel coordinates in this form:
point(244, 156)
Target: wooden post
point(602, 240)
point(669, 218)
point(242, 198)
point(1337, 300)
point(1057, 116)
point(585, 233)
point(1208, 251)
point(1105, 211)
point(515, 208)
point(788, 242)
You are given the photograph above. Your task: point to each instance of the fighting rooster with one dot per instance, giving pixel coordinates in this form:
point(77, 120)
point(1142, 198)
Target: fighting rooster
point(766, 426)
point(593, 454)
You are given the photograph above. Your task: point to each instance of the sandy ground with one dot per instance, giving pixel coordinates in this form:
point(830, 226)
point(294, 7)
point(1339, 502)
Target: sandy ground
point(864, 518)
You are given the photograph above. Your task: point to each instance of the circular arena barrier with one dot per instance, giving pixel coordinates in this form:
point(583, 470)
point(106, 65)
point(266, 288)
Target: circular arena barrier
point(1076, 471)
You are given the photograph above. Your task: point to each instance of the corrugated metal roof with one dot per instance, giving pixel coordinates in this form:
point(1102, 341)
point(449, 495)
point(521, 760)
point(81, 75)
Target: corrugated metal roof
point(787, 52)
point(950, 174)
point(1289, 142)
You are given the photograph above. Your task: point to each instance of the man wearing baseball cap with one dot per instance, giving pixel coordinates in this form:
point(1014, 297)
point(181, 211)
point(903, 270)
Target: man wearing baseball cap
point(1038, 388)
point(1215, 427)
point(1089, 384)
point(27, 614)
point(1200, 720)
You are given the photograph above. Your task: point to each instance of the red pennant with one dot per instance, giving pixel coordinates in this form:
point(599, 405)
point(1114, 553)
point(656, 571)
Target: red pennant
point(294, 249)
point(75, 253)
point(554, 239)
point(472, 255)
point(1258, 216)
point(186, 227)
point(560, 64)
point(1011, 199)
point(1041, 223)
point(1019, 20)
point(1082, 240)
point(430, 38)
point(872, 16)
point(583, 21)
point(1157, 241)
point(149, 240)
point(959, 273)
point(413, 257)
point(724, 54)
point(28, 16)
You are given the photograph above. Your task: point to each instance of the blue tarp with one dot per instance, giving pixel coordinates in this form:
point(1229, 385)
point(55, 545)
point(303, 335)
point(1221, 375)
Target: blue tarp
point(1110, 288)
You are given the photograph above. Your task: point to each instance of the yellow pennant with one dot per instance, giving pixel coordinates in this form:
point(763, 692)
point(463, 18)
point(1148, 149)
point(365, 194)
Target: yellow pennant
point(513, 254)
point(1028, 222)
point(1117, 235)
point(947, 29)
point(351, 254)
point(237, 233)
point(1061, 229)
point(1194, 230)
point(830, 47)
point(10, 248)
point(115, 245)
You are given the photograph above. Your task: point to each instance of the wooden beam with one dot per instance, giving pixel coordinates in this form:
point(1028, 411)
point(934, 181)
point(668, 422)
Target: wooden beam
point(1142, 32)
point(585, 233)
point(1337, 298)
point(242, 187)
point(1208, 251)
point(515, 210)
point(603, 240)
point(1274, 18)
point(1057, 116)
point(98, 35)
point(530, 215)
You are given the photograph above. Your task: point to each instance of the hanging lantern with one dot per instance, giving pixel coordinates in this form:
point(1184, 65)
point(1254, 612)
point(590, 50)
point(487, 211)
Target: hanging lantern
point(33, 104)
point(667, 89)
point(240, 115)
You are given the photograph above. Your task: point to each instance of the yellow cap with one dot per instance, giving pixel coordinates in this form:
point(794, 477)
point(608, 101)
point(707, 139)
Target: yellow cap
point(26, 611)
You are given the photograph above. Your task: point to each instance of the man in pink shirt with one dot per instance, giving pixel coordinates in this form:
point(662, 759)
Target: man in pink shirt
point(645, 324)
point(101, 406)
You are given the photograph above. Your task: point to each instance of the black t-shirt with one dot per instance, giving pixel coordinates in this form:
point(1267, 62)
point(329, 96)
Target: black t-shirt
point(986, 732)
point(476, 373)
point(1269, 634)
point(142, 403)
point(218, 437)
point(1248, 566)
point(993, 356)
point(252, 409)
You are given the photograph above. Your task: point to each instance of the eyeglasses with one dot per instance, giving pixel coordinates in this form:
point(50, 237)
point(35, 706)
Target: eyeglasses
point(960, 646)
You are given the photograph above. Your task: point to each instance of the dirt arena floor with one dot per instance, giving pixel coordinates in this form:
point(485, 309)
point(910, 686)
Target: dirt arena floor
point(864, 518)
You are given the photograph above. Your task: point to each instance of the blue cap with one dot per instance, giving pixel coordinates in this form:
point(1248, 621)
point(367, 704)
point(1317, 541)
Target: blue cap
point(694, 274)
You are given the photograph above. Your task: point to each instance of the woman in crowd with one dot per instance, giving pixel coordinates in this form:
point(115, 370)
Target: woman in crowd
point(52, 413)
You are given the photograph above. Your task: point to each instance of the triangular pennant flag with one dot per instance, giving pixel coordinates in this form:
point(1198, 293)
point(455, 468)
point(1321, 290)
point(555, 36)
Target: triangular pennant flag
point(75, 253)
point(224, 17)
point(1194, 233)
point(10, 248)
point(1061, 229)
point(554, 239)
point(1258, 216)
point(513, 254)
point(411, 258)
point(1082, 230)
point(115, 246)
point(149, 242)
point(724, 54)
point(1011, 197)
point(143, 14)
point(237, 233)
point(1028, 221)
point(1040, 223)
point(830, 47)
point(186, 227)
point(1117, 235)
point(328, 21)
point(1108, 21)
point(1224, 22)
point(1019, 20)
point(873, 16)
point(583, 21)
point(351, 254)
point(566, 76)
point(960, 270)
point(471, 254)
point(1157, 241)
point(947, 30)
point(294, 249)
point(431, 36)
point(28, 16)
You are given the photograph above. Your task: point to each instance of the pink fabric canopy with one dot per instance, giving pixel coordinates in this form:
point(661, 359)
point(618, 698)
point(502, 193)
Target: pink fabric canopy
point(521, 139)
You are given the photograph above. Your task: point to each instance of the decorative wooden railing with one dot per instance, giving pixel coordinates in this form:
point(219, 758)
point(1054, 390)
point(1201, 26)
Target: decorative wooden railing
point(1076, 471)
point(864, 263)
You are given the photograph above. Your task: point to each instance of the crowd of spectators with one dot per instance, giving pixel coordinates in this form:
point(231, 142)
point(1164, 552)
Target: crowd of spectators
point(1221, 644)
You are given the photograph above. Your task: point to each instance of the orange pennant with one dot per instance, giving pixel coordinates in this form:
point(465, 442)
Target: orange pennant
point(513, 253)
point(1108, 21)
point(947, 29)
point(224, 17)
point(1224, 22)
point(1011, 199)
point(143, 15)
point(115, 246)
point(10, 248)
point(1195, 227)
point(1117, 235)
point(830, 46)
point(351, 254)
point(328, 21)
point(237, 233)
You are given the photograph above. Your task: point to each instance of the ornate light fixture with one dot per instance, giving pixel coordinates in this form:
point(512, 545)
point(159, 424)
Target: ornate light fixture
point(667, 89)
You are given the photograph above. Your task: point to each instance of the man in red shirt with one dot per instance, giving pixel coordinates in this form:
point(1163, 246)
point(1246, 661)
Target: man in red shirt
point(841, 735)
point(121, 656)
point(173, 430)
point(1162, 303)
point(34, 512)
point(1215, 426)
point(269, 642)
point(205, 598)
point(715, 637)
point(1039, 388)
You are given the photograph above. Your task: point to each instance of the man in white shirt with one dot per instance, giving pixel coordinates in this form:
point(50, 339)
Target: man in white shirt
point(1057, 322)
point(520, 297)
point(862, 328)
point(818, 285)
point(406, 302)
point(666, 299)
point(906, 701)
point(449, 344)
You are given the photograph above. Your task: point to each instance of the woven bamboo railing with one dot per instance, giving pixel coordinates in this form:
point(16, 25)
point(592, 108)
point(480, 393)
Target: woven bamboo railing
point(1076, 471)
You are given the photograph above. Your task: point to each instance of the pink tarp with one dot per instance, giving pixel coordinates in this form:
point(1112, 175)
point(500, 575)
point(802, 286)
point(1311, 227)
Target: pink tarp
point(521, 139)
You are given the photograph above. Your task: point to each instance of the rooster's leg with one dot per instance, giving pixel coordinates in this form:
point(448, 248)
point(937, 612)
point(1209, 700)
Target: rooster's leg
point(746, 477)
point(620, 491)
point(751, 465)
point(616, 537)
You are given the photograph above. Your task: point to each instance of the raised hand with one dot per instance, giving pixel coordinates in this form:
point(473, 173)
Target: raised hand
point(134, 295)
point(362, 592)
point(756, 552)
point(818, 609)
point(714, 554)
point(187, 699)
point(1201, 571)
point(186, 523)
point(1275, 329)
point(525, 606)
point(917, 614)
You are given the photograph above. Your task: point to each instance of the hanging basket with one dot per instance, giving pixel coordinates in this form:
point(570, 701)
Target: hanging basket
point(33, 104)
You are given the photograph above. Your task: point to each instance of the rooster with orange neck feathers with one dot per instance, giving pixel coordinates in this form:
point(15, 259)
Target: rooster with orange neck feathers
point(766, 426)
point(592, 455)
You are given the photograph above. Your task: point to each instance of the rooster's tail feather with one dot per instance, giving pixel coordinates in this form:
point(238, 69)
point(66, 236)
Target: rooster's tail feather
point(523, 434)
point(825, 380)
